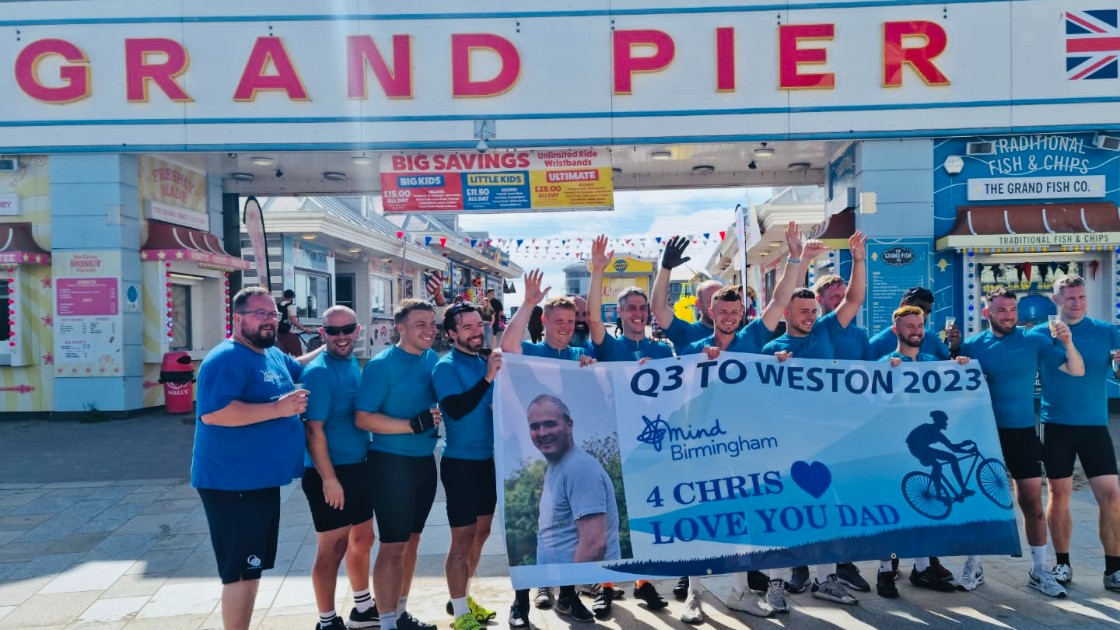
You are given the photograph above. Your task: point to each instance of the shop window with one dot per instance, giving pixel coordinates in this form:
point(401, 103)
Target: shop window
point(313, 294)
point(380, 297)
point(181, 319)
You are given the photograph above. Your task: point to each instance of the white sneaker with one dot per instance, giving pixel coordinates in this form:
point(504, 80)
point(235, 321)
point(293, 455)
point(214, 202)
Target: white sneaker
point(972, 576)
point(1045, 583)
point(1063, 573)
point(776, 597)
point(544, 598)
point(1112, 581)
point(748, 602)
point(693, 612)
point(832, 590)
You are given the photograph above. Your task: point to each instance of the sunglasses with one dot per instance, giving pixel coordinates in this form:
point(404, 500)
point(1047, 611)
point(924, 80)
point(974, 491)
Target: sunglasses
point(340, 330)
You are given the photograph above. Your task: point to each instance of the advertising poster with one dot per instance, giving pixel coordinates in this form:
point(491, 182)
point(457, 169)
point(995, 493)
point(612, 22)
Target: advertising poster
point(832, 461)
point(173, 193)
point(87, 325)
point(893, 267)
point(497, 181)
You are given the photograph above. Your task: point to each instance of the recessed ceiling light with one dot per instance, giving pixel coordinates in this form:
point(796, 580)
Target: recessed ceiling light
point(661, 154)
point(309, 236)
point(354, 250)
point(764, 152)
point(703, 169)
point(362, 160)
point(241, 177)
point(797, 167)
point(262, 161)
point(775, 244)
point(334, 176)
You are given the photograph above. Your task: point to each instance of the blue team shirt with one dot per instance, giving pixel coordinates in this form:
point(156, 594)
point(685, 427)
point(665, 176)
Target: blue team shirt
point(921, 358)
point(1010, 363)
point(682, 333)
point(472, 436)
point(266, 454)
point(333, 383)
point(399, 384)
point(542, 349)
point(886, 342)
point(624, 349)
point(1081, 400)
point(750, 339)
point(816, 345)
point(847, 343)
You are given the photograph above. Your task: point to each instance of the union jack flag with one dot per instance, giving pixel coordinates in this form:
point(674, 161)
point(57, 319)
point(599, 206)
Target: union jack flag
point(1092, 45)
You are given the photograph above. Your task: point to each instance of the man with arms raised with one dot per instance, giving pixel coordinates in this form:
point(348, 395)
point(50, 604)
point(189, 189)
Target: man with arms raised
point(335, 478)
point(248, 441)
point(397, 404)
point(1075, 425)
point(464, 380)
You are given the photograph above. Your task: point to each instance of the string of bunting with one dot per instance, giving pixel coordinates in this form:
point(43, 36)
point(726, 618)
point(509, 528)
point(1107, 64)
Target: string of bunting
point(557, 248)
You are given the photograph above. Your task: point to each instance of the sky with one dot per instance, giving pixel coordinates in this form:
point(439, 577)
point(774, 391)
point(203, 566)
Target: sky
point(649, 214)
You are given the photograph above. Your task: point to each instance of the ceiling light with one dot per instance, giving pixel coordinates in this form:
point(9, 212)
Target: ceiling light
point(775, 244)
point(334, 176)
point(241, 177)
point(661, 154)
point(309, 236)
point(354, 250)
point(703, 169)
point(764, 152)
point(362, 160)
point(262, 161)
point(797, 167)
point(751, 165)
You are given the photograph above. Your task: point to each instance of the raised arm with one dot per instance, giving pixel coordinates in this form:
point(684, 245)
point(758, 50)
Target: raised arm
point(792, 269)
point(857, 284)
point(515, 329)
point(600, 258)
point(659, 299)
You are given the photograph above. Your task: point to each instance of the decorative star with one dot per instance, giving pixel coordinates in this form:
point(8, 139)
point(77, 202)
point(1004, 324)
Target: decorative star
point(178, 255)
point(161, 255)
point(46, 282)
point(48, 320)
point(143, 255)
point(26, 257)
point(48, 359)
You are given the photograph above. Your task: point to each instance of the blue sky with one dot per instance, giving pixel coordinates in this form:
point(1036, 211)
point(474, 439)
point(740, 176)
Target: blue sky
point(646, 214)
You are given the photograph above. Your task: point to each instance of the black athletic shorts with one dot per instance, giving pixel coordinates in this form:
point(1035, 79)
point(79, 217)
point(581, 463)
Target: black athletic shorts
point(403, 489)
point(244, 527)
point(1022, 452)
point(1061, 443)
point(471, 489)
point(357, 504)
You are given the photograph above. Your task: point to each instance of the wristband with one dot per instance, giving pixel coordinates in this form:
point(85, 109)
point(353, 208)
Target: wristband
point(793, 261)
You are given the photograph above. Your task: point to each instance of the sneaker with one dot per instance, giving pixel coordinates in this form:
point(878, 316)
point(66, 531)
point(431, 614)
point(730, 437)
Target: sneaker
point(590, 590)
point(368, 619)
point(849, 576)
point(749, 603)
point(1045, 583)
point(601, 607)
point(648, 593)
point(518, 617)
point(544, 598)
point(480, 614)
point(832, 590)
point(680, 591)
point(972, 576)
point(466, 622)
point(407, 622)
point(941, 572)
point(776, 597)
point(1112, 581)
point(798, 579)
point(574, 608)
point(884, 585)
point(929, 579)
point(693, 612)
point(1063, 573)
point(335, 624)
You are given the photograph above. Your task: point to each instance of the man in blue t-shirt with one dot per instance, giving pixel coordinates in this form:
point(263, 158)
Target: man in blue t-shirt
point(1010, 357)
point(886, 341)
point(335, 479)
point(248, 441)
point(397, 404)
point(464, 380)
point(1075, 425)
point(849, 343)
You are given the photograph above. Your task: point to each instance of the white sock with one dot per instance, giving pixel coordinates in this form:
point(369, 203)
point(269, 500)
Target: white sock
point(388, 620)
point(776, 574)
point(1038, 558)
point(738, 582)
point(921, 564)
point(885, 566)
point(325, 618)
point(694, 584)
point(402, 604)
point(362, 600)
point(823, 571)
point(459, 606)
point(975, 560)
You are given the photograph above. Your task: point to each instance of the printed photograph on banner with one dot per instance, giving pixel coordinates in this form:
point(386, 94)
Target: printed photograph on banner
point(564, 498)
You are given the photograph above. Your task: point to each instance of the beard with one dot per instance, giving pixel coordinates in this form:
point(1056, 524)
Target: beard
point(912, 342)
point(582, 328)
point(471, 344)
point(262, 339)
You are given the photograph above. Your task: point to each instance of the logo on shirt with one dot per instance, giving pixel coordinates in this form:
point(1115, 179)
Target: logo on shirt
point(273, 378)
point(253, 561)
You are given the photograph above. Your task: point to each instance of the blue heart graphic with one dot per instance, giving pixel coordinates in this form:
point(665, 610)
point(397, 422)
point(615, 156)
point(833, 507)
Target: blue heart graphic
point(813, 478)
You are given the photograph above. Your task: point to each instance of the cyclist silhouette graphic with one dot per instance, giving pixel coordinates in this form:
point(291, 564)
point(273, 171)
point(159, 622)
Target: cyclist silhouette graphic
point(921, 441)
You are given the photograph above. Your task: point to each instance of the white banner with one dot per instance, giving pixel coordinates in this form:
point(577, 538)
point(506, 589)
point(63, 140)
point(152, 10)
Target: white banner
point(1009, 188)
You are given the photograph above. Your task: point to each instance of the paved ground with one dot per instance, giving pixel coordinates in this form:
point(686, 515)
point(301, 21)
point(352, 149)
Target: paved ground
point(99, 529)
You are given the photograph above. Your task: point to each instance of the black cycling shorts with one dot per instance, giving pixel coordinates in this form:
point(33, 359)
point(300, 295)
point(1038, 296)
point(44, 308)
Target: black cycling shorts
point(471, 489)
point(1061, 443)
point(244, 527)
point(403, 490)
point(357, 504)
point(1022, 452)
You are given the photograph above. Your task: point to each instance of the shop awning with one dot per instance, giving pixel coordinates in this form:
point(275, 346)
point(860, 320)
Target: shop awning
point(17, 246)
point(1035, 227)
point(168, 242)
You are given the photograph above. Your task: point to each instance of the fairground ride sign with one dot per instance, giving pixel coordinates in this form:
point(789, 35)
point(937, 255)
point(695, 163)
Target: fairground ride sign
point(287, 75)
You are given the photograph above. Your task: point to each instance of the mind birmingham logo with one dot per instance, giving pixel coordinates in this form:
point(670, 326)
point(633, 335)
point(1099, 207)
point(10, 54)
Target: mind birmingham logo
point(691, 442)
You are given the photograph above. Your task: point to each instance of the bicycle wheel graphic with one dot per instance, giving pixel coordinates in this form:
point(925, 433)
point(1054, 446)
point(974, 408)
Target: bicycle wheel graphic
point(920, 491)
point(991, 476)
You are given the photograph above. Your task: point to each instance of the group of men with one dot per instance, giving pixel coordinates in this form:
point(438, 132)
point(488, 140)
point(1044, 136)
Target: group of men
point(363, 440)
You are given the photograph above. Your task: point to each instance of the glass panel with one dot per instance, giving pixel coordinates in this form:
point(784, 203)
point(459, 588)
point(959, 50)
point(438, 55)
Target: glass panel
point(380, 297)
point(180, 317)
point(313, 295)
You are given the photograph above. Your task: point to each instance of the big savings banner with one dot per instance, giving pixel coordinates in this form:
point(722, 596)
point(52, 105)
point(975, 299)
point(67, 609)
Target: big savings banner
point(745, 463)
